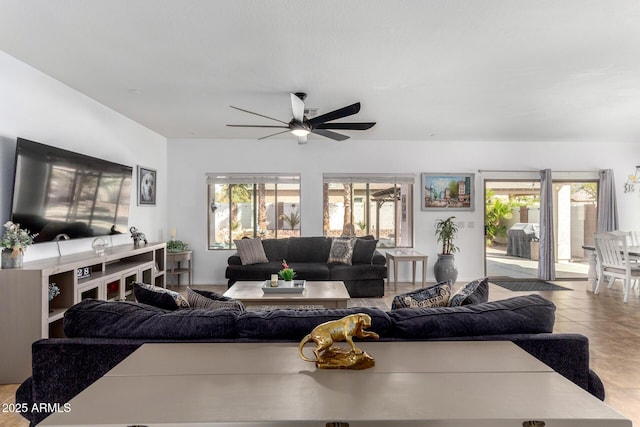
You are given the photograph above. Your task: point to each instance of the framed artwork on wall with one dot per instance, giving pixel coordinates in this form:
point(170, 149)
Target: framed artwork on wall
point(146, 186)
point(447, 192)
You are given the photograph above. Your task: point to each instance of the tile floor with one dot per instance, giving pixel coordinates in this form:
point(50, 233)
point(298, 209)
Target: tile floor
point(613, 329)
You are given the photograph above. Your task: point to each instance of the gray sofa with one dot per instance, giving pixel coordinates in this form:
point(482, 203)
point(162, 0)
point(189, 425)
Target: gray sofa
point(101, 334)
point(308, 256)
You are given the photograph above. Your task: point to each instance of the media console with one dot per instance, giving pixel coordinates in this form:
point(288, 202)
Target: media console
point(26, 314)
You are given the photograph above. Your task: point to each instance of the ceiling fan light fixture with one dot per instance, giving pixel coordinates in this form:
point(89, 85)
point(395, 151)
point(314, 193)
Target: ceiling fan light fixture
point(300, 132)
point(301, 125)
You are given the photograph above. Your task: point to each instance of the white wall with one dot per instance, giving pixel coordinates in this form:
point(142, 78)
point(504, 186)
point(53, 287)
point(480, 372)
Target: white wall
point(190, 159)
point(35, 106)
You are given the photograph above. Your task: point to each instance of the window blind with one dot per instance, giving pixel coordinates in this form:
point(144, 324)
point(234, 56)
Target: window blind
point(372, 178)
point(256, 178)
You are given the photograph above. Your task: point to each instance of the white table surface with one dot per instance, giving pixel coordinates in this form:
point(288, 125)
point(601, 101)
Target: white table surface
point(331, 294)
point(413, 384)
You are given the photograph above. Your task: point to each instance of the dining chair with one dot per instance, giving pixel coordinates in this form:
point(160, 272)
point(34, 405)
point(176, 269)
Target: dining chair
point(612, 252)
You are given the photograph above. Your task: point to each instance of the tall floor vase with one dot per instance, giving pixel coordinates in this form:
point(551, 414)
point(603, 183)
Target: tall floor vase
point(445, 269)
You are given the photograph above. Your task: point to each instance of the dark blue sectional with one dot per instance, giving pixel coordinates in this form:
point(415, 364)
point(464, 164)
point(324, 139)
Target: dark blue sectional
point(364, 278)
point(101, 334)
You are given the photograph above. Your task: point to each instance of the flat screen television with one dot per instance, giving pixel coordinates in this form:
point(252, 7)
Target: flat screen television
point(60, 194)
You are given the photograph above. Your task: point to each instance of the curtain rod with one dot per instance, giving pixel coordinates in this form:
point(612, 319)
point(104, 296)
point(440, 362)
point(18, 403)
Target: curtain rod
point(534, 170)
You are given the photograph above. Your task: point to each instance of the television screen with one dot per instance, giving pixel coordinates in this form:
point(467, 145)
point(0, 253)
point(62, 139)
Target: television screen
point(60, 194)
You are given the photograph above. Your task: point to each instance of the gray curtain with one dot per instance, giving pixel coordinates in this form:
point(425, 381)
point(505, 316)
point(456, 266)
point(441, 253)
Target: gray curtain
point(547, 262)
point(607, 206)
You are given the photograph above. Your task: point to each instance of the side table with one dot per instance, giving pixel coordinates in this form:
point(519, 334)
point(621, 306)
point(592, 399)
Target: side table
point(398, 255)
point(175, 267)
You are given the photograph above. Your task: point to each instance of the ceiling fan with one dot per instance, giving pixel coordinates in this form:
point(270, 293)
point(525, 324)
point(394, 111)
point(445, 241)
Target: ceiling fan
point(301, 126)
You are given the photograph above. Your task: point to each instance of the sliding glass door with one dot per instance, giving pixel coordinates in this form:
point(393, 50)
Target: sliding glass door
point(512, 228)
point(512, 225)
point(575, 222)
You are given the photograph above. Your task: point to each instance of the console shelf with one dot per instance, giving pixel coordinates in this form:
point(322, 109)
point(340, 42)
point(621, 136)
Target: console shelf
point(28, 315)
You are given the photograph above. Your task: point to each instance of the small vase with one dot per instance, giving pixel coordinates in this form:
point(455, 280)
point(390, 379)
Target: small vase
point(9, 261)
point(287, 283)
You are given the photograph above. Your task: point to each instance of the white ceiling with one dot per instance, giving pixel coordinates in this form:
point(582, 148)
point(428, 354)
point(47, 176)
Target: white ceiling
point(523, 70)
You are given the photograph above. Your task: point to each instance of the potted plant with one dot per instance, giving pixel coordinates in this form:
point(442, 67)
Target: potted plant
point(177, 246)
point(287, 273)
point(14, 243)
point(445, 267)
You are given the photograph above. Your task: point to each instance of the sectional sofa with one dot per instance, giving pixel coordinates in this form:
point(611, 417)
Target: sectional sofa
point(310, 257)
point(101, 334)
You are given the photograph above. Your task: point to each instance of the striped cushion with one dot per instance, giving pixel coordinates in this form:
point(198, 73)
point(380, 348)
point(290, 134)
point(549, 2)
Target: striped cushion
point(208, 300)
point(251, 251)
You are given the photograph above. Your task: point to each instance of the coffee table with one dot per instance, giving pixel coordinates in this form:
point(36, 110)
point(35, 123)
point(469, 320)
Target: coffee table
point(445, 384)
point(328, 294)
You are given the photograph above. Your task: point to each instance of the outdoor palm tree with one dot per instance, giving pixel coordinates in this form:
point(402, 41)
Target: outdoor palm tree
point(325, 207)
point(240, 193)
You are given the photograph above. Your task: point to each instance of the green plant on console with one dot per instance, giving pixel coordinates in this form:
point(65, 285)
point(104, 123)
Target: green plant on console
point(177, 246)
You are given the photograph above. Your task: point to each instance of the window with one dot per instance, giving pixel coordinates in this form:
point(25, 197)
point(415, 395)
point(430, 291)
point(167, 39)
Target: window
point(265, 206)
point(380, 205)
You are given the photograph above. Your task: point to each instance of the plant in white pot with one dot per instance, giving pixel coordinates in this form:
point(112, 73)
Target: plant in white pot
point(445, 267)
point(13, 244)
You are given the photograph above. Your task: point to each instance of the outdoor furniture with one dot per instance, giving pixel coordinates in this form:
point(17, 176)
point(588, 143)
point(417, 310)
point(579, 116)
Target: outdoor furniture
point(614, 262)
point(519, 238)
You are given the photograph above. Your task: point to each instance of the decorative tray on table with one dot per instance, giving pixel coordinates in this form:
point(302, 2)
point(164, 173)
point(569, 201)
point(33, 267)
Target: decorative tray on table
point(296, 287)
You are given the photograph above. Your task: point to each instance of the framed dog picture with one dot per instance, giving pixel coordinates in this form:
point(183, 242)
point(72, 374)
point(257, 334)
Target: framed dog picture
point(146, 186)
point(447, 191)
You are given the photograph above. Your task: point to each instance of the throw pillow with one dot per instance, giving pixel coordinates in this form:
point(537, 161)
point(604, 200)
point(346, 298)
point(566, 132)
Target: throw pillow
point(159, 297)
point(363, 251)
point(431, 296)
point(341, 251)
point(473, 292)
point(251, 251)
point(212, 301)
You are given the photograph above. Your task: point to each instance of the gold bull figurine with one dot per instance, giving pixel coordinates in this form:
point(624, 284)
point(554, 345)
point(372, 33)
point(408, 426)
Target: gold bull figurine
point(324, 336)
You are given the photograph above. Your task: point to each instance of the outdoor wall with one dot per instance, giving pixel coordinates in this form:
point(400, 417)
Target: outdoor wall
point(190, 159)
point(37, 107)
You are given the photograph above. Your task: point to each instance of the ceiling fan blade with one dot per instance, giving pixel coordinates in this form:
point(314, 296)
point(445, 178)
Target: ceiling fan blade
point(297, 107)
point(336, 114)
point(352, 126)
point(261, 115)
point(329, 134)
point(273, 134)
point(258, 126)
point(302, 139)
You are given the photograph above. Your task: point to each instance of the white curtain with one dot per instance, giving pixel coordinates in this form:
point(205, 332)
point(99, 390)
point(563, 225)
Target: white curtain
point(547, 262)
point(607, 206)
